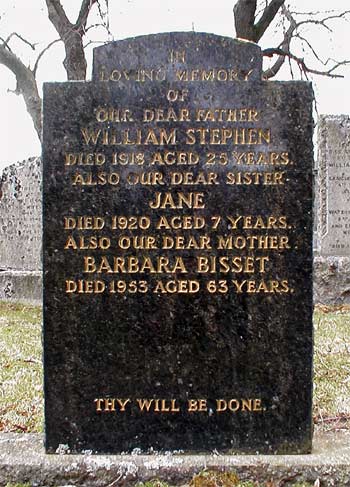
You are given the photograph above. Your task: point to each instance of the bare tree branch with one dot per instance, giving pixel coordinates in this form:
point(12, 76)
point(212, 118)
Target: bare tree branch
point(93, 42)
point(14, 34)
point(42, 53)
point(302, 65)
point(322, 22)
point(58, 17)
point(75, 63)
point(284, 51)
point(312, 14)
point(26, 85)
point(5, 44)
point(267, 17)
point(85, 8)
point(284, 47)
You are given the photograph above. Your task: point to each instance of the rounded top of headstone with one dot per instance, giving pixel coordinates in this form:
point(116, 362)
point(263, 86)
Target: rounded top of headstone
point(165, 51)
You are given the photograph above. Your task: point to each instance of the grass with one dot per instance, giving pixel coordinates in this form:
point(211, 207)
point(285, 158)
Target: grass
point(332, 368)
point(210, 478)
point(21, 396)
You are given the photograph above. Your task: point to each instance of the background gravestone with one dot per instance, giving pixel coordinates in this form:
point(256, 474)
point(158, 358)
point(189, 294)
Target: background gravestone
point(334, 185)
point(21, 231)
point(332, 259)
point(178, 252)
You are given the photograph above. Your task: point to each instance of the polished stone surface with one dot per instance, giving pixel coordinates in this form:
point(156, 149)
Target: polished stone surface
point(226, 361)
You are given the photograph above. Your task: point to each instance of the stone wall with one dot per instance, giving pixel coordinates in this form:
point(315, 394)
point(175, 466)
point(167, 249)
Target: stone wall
point(20, 231)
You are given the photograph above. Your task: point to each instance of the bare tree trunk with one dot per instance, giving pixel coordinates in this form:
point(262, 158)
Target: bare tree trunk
point(72, 36)
point(244, 16)
point(75, 62)
point(26, 85)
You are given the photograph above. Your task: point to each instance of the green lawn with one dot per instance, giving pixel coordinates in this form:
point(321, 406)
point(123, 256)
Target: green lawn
point(21, 396)
point(332, 368)
point(21, 393)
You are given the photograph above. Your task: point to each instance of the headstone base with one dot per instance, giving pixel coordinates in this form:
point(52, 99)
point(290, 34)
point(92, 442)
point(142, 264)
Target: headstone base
point(22, 459)
point(21, 286)
point(332, 281)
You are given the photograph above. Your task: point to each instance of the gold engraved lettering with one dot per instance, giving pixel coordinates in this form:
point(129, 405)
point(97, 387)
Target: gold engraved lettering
point(261, 158)
point(87, 243)
point(123, 403)
point(139, 75)
point(234, 405)
point(227, 115)
point(257, 405)
point(177, 287)
point(133, 265)
point(168, 115)
point(180, 222)
point(177, 95)
point(179, 242)
point(248, 222)
point(82, 159)
point(98, 403)
point(158, 405)
point(110, 137)
point(99, 179)
point(238, 265)
point(128, 158)
point(224, 136)
point(83, 223)
point(82, 286)
point(170, 158)
point(109, 405)
point(189, 178)
point(211, 75)
point(177, 201)
point(111, 114)
point(150, 75)
point(145, 404)
point(263, 178)
point(197, 405)
point(130, 222)
point(137, 242)
point(252, 242)
point(131, 287)
point(151, 178)
point(266, 287)
point(177, 56)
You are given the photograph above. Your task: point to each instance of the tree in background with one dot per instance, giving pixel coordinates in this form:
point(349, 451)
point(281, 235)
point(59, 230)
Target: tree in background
point(252, 18)
point(71, 34)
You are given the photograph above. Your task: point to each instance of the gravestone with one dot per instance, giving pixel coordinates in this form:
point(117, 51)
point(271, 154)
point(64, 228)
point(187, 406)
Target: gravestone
point(20, 232)
point(178, 252)
point(334, 185)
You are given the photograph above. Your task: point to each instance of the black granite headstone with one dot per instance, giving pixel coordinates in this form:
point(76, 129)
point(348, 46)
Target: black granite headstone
point(178, 252)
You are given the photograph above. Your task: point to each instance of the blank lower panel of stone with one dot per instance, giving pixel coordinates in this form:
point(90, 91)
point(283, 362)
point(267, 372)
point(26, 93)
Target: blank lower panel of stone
point(178, 252)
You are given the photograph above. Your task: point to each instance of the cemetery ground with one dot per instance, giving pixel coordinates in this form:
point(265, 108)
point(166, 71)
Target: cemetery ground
point(21, 394)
